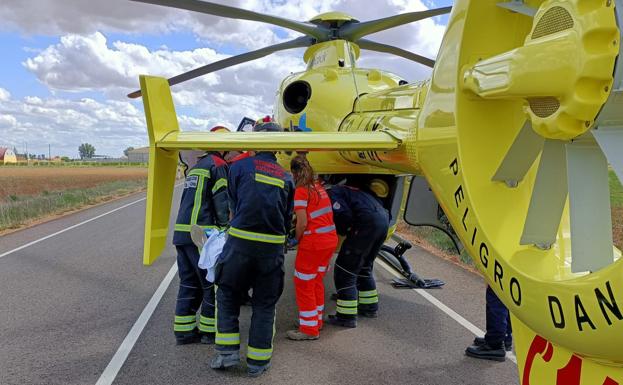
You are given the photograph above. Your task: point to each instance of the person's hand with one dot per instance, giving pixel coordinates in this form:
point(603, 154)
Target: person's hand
point(292, 242)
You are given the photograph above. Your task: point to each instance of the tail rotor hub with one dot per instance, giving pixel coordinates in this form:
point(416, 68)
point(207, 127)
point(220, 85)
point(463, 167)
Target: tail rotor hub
point(563, 71)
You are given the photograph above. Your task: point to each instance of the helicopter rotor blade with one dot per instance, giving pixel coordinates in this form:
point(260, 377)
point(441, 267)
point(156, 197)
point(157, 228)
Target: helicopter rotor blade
point(318, 32)
point(303, 41)
point(520, 156)
point(385, 48)
point(589, 206)
point(548, 197)
point(610, 139)
point(355, 31)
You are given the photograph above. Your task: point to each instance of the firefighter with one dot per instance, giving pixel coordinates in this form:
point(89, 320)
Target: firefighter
point(261, 197)
point(360, 216)
point(317, 240)
point(204, 203)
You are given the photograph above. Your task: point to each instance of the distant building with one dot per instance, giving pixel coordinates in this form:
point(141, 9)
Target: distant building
point(139, 155)
point(7, 156)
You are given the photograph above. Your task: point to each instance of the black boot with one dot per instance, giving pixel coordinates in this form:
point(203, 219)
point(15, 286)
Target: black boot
point(368, 313)
point(336, 320)
point(508, 345)
point(187, 338)
point(487, 352)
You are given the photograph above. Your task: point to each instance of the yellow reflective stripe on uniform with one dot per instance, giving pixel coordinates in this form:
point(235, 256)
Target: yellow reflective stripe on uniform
point(198, 199)
point(368, 294)
point(184, 327)
point(227, 338)
point(347, 303)
point(259, 354)
point(207, 324)
point(219, 184)
point(185, 318)
point(180, 227)
point(345, 306)
point(269, 180)
point(200, 172)
point(260, 237)
point(346, 310)
point(368, 301)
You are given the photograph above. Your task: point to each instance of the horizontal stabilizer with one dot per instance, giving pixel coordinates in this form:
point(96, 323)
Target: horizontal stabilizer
point(280, 141)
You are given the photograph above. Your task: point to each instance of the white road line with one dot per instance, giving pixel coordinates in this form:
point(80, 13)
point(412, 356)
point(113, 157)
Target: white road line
point(441, 306)
point(69, 228)
point(74, 226)
point(117, 361)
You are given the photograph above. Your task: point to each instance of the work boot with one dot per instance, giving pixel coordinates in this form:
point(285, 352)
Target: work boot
point(508, 345)
point(207, 338)
point(487, 352)
point(336, 320)
point(368, 313)
point(257, 370)
point(188, 338)
point(297, 335)
point(224, 361)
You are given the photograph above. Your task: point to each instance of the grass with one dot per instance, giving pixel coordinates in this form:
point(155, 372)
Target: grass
point(616, 191)
point(19, 210)
point(441, 242)
point(18, 182)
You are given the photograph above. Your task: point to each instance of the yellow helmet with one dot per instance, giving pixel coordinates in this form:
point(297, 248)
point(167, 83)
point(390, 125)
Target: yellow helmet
point(379, 187)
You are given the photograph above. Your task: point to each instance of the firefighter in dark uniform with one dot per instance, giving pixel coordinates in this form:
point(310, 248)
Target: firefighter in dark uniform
point(360, 216)
point(204, 203)
point(261, 197)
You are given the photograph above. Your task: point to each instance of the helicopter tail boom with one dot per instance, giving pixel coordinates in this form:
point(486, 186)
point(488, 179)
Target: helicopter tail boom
point(166, 140)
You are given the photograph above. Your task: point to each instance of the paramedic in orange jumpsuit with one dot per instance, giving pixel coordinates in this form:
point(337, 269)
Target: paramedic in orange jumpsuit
point(317, 238)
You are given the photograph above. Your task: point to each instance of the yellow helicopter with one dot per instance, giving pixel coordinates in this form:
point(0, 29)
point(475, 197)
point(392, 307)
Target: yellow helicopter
point(515, 134)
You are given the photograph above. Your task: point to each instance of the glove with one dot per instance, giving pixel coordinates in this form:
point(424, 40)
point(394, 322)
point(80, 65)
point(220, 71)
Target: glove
point(292, 242)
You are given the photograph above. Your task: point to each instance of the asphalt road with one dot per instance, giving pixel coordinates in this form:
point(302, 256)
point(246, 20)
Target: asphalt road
point(67, 303)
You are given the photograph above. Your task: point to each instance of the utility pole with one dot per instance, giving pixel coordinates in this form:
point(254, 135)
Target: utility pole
point(49, 152)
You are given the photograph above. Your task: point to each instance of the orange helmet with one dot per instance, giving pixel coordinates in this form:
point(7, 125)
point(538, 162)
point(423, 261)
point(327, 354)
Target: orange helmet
point(219, 128)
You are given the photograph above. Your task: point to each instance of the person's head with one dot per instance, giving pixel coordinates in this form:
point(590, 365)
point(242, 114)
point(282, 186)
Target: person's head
point(302, 171)
point(267, 127)
point(379, 187)
point(220, 129)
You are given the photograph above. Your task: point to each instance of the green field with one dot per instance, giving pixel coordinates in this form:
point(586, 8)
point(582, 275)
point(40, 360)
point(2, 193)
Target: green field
point(442, 242)
point(28, 194)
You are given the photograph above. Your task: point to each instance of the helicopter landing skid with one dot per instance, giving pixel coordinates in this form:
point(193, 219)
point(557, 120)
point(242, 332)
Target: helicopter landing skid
point(394, 257)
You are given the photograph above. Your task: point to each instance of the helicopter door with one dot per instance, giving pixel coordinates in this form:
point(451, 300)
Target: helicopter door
point(396, 200)
point(422, 209)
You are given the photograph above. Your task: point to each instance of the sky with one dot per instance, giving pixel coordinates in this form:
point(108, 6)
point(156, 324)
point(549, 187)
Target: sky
point(68, 65)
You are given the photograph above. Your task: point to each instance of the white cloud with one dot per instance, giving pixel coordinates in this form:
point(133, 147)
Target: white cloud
point(4, 95)
point(85, 60)
point(7, 121)
point(79, 63)
point(64, 124)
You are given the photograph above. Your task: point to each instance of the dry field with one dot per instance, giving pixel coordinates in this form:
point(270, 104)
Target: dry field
point(21, 181)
